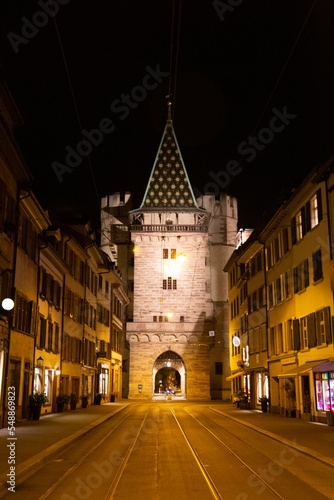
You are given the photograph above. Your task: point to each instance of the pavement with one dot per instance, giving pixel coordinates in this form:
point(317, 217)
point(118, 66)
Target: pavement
point(38, 440)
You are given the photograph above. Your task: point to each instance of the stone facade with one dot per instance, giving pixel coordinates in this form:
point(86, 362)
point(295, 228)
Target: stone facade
point(187, 331)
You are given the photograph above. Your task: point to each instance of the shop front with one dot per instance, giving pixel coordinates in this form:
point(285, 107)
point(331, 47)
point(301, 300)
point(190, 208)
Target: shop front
point(324, 392)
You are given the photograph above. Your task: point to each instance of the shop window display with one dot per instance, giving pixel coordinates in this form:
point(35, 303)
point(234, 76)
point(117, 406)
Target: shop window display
point(324, 386)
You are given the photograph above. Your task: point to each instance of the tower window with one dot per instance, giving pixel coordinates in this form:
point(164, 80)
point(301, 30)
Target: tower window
point(169, 284)
point(181, 319)
point(218, 368)
point(173, 253)
point(165, 253)
point(154, 319)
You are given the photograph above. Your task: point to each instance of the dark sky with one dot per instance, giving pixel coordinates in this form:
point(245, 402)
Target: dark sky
point(253, 59)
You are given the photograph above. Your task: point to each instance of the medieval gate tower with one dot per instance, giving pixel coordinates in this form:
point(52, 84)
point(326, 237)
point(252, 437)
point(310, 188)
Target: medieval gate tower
point(180, 292)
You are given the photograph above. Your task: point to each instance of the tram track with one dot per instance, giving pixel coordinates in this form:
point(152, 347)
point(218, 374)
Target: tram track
point(131, 456)
point(268, 462)
point(211, 485)
point(329, 462)
point(237, 457)
point(70, 471)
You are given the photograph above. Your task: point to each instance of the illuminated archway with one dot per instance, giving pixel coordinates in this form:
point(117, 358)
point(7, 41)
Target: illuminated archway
point(169, 371)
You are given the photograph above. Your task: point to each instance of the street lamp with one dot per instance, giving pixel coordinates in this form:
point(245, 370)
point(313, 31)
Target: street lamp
point(7, 304)
point(40, 362)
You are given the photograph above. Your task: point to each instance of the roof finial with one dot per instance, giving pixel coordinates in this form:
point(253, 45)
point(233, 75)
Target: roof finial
point(169, 104)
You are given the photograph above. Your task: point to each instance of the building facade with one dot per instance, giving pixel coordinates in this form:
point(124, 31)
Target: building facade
point(295, 305)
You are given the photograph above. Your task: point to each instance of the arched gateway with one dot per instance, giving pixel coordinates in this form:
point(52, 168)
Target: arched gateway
point(169, 373)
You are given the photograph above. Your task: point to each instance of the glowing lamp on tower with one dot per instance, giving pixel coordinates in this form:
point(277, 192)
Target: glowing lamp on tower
point(181, 257)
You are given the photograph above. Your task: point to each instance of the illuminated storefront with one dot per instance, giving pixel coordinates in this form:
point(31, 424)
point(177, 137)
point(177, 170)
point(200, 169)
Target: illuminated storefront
point(324, 389)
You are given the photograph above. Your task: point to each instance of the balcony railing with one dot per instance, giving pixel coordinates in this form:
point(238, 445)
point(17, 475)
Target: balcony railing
point(151, 228)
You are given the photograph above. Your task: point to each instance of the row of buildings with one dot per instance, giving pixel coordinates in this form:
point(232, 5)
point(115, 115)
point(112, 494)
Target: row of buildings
point(209, 312)
point(66, 330)
point(281, 283)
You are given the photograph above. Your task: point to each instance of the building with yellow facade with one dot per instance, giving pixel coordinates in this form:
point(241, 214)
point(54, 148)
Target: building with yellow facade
point(297, 276)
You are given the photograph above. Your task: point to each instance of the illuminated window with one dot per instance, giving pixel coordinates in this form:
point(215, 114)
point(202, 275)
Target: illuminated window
point(38, 380)
point(173, 253)
point(279, 339)
point(321, 327)
point(47, 383)
point(288, 336)
point(304, 333)
point(299, 227)
point(165, 253)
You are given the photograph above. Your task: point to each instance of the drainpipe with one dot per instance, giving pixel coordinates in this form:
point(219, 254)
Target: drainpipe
point(329, 222)
point(84, 321)
point(61, 388)
point(62, 336)
point(267, 321)
point(36, 317)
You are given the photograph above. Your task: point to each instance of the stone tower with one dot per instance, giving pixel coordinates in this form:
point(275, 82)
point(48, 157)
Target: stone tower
point(172, 323)
point(177, 329)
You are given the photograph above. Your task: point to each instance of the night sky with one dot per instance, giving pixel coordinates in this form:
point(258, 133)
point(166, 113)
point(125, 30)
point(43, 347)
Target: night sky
point(241, 64)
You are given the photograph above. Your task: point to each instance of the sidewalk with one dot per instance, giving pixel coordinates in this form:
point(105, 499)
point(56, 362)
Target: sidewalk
point(318, 439)
point(38, 439)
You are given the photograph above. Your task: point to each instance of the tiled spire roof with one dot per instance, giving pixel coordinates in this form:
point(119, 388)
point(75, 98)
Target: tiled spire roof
point(169, 186)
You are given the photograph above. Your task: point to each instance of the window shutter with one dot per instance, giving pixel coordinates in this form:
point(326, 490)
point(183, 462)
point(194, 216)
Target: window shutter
point(307, 216)
point(319, 203)
point(29, 238)
point(6, 284)
point(2, 203)
point(293, 230)
point(302, 211)
point(312, 338)
point(328, 325)
point(48, 287)
point(306, 274)
point(295, 335)
point(268, 257)
point(318, 333)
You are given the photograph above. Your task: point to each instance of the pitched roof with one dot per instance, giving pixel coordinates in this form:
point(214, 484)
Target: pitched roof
point(169, 187)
